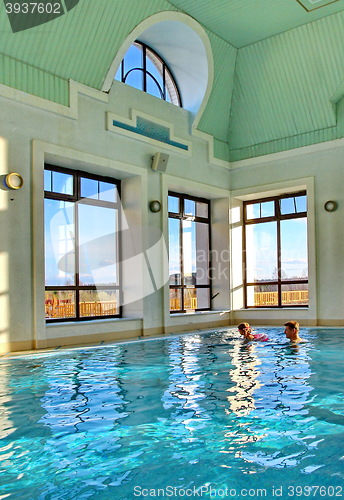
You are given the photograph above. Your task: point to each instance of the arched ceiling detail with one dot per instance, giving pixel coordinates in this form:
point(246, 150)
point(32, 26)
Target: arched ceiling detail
point(274, 71)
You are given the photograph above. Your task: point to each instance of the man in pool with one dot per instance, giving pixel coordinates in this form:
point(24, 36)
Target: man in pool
point(292, 331)
point(246, 331)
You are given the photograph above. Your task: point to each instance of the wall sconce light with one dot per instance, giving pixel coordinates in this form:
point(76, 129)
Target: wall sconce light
point(330, 206)
point(13, 181)
point(155, 206)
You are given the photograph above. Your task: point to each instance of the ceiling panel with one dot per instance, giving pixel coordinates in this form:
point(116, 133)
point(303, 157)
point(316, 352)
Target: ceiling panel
point(242, 22)
point(310, 5)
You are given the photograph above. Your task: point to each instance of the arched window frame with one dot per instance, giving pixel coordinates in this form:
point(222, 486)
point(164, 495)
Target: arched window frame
point(169, 84)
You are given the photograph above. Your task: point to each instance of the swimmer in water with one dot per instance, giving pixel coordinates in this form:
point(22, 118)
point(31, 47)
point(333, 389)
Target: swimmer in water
point(292, 331)
point(246, 331)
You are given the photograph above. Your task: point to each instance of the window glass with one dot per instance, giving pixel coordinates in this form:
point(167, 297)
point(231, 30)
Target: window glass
point(201, 237)
point(134, 79)
point(107, 191)
point(59, 243)
point(275, 253)
point(175, 299)
point(267, 209)
point(47, 180)
point(148, 76)
point(295, 294)
point(173, 204)
point(262, 296)
point(60, 304)
point(294, 249)
point(287, 206)
point(62, 183)
point(202, 298)
point(133, 58)
point(259, 210)
point(301, 204)
point(189, 254)
point(189, 207)
point(174, 251)
point(95, 303)
point(261, 251)
point(81, 242)
point(97, 245)
point(253, 211)
point(190, 299)
point(89, 188)
point(202, 209)
point(155, 68)
point(153, 88)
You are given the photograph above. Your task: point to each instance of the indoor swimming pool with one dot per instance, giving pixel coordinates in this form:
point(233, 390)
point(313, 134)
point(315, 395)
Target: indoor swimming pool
point(189, 416)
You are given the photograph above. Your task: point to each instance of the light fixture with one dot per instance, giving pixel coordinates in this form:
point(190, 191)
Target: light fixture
point(155, 206)
point(330, 206)
point(13, 181)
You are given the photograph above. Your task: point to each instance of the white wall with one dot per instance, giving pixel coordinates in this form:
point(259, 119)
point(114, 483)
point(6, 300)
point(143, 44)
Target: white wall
point(318, 169)
point(34, 131)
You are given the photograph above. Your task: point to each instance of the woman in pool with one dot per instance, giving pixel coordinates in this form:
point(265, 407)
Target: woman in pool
point(246, 331)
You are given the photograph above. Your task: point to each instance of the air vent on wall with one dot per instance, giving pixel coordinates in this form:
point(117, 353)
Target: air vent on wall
point(310, 5)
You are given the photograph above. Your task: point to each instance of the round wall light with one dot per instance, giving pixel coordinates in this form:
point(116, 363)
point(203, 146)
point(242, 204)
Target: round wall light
point(155, 206)
point(13, 181)
point(330, 206)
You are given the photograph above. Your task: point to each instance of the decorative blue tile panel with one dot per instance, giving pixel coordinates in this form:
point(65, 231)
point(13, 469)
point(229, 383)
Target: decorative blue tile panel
point(152, 130)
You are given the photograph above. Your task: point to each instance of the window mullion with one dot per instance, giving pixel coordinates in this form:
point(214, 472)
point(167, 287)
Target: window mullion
point(181, 256)
point(279, 270)
point(144, 67)
point(76, 250)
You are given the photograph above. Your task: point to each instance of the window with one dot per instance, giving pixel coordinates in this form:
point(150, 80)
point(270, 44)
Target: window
point(81, 217)
point(189, 253)
point(275, 251)
point(145, 70)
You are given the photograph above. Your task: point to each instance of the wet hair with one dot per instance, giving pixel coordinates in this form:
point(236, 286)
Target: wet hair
point(293, 324)
point(243, 325)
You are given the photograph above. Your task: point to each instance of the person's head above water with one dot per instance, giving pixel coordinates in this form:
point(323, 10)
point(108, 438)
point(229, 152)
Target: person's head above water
point(292, 331)
point(246, 331)
point(244, 328)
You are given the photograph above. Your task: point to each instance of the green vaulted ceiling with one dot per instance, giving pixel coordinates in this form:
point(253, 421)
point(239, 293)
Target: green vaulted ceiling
point(278, 68)
point(242, 22)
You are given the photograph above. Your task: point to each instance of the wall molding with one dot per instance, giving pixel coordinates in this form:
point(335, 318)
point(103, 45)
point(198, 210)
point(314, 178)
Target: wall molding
point(72, 112)
point(132, 127)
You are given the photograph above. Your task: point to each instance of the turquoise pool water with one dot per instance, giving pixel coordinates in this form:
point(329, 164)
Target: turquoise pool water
point(194, 416)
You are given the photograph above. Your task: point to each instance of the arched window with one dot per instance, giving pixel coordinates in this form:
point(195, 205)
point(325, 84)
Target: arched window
point(145, 70)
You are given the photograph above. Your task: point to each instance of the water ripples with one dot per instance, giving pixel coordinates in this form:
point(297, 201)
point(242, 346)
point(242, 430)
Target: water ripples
point(190, 410)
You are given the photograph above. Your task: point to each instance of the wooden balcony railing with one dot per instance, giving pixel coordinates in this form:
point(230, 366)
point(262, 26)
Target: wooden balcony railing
point(63, 309)
point(289, 297)
point(189, 305)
